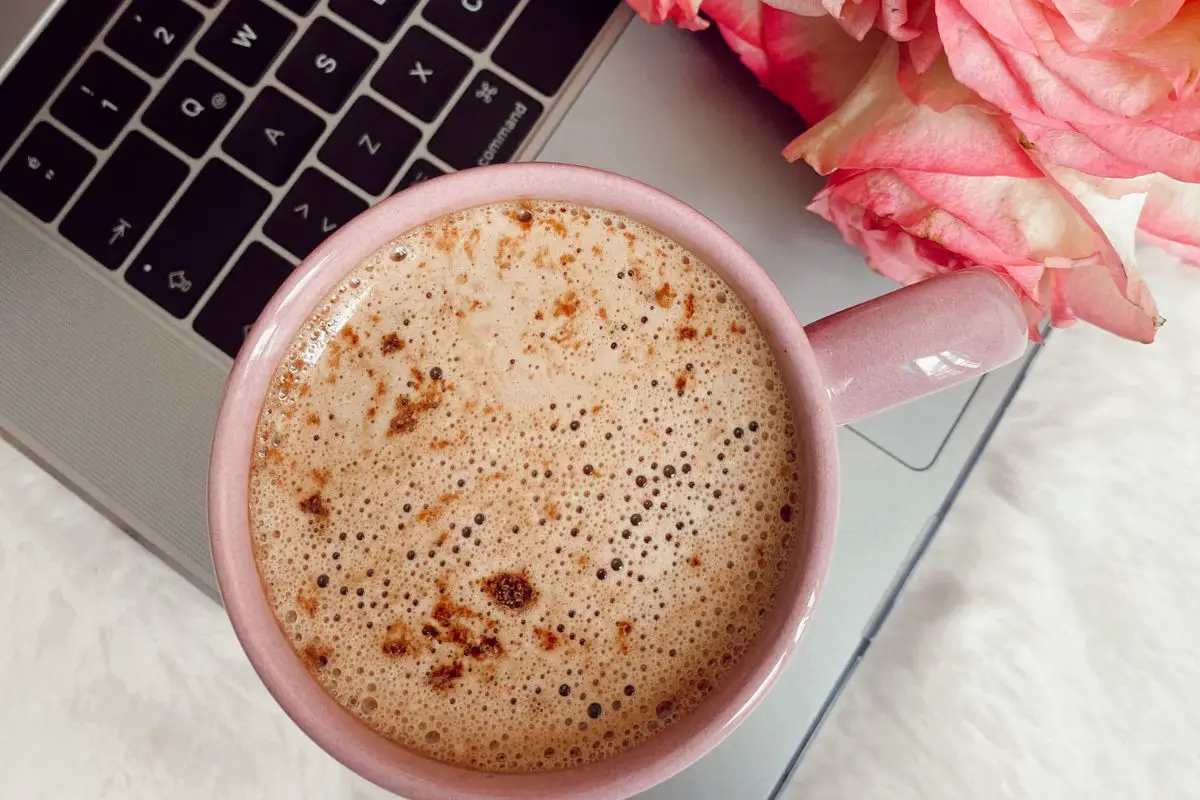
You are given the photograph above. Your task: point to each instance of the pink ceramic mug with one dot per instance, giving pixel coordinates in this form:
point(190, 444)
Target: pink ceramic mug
point(844, 367)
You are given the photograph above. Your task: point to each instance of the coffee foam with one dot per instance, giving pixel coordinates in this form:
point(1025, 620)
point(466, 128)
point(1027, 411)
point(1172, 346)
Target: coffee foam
point(524, 489)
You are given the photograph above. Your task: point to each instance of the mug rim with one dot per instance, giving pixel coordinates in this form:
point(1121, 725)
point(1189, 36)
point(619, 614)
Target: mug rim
point(336, 730)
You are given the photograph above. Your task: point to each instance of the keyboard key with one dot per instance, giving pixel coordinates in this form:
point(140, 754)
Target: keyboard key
point(421, 74)
point(198, 236)
point(152, 33)
point(52, 54)
point(571, 26)
point(327, 64)
point(119, 205)
point(314, 208)
point(378, 18)
point(420, 171)
point(45, 170)
point(486, 125)
point(474, 22)
point(192, 109)
point(100, 100)
point(239, 299)
point(274, 136)
point(245, 39)
point(298, 6)
point(369, 145)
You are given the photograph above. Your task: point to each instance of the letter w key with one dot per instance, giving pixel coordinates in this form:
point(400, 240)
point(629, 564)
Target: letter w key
point(246, 38)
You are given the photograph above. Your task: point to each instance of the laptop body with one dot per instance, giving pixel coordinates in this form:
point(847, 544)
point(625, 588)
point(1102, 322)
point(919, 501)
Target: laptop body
point(165, 163)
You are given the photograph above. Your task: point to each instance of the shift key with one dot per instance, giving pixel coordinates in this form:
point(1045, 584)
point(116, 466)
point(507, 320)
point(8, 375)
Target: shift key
point(488, 123)
point(190, 247)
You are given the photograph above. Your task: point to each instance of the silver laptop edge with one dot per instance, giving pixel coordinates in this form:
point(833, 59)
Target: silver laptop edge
point(117, 398)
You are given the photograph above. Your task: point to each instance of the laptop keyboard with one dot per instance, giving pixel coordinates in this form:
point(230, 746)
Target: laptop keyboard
point(200, 148)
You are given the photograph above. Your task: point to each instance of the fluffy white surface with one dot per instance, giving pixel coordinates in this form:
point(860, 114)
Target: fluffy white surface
point(1048, 647)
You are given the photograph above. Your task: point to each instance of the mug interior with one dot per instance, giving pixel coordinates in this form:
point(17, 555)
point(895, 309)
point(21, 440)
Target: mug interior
point(339, 732)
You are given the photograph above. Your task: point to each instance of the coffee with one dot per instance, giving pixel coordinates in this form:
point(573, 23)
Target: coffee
point(525, 487)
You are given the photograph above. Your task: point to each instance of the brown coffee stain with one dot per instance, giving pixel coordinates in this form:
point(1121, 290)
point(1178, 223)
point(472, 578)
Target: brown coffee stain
point(313, 418)
point(470, 243)
point(447, 239)
point(689, 306)
point(397, 642)
point(316, 656)
point(350, 335)
point(391, 343)
point(443, 677)
point(566, 305)
point(507, 251)
point(664, 295)
point(315, 504)
point(686, 332)
point(488, 647)
point(435, 511)
point(322, 476)
point(624, 631)
point(547, 639)
point(333, 352)
point(681, 381)
point(410, 410)
point(511, 590)
point(307, 602)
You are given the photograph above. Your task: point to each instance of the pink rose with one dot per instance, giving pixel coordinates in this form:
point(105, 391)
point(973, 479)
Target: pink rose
point(1078, 127)
point(1109, 88)
point(927, 179)
point(799, 49)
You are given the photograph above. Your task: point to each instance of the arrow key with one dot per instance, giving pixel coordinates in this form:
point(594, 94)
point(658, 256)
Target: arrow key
point(274, 135)
point(312, 210)
point(235, 305)
point(116, 209)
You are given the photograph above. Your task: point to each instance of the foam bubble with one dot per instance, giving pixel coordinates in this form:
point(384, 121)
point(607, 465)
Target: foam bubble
point(522, 493)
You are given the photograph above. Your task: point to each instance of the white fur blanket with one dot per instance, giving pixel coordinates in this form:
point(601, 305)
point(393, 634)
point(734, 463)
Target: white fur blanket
point(1049, 646)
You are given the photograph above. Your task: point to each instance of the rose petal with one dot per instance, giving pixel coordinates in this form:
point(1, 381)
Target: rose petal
point(1116, 25)
point(879, 126)
point(812, 64)
point(684, 13)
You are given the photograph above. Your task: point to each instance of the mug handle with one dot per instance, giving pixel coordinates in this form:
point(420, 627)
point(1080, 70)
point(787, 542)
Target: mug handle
point(917, 340)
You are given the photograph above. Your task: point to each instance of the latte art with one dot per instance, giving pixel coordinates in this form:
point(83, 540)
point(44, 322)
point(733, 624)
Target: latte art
point(525, 488)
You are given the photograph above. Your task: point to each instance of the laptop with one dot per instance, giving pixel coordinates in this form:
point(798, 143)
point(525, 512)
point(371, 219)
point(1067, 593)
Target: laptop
point(165, 163)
